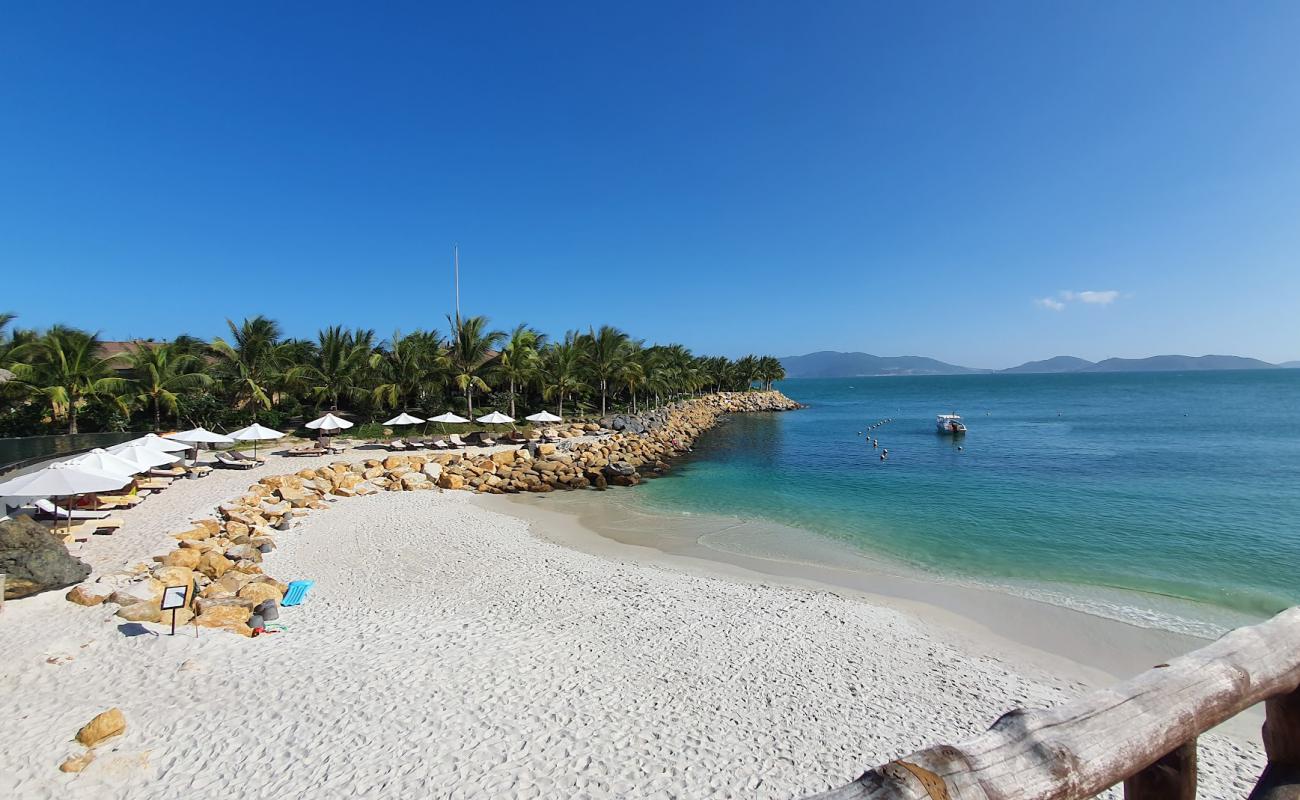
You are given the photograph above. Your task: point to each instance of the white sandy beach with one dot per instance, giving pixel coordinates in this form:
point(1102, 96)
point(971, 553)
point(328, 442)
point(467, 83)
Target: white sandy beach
point(446, 651)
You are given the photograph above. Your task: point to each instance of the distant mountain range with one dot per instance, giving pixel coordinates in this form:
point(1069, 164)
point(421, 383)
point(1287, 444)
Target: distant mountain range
point(831, 364)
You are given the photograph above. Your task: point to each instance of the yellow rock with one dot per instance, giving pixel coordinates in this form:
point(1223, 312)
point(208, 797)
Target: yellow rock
point(77, 763)
point(105, 725)
point(448, 480)
point(210, 525)
point(189, 559)
point(221, 616)
point(258, 591)
point(89, 594)
point(140, 612)
point(214, 564)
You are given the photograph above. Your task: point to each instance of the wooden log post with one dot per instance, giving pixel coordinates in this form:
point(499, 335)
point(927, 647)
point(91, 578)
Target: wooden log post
point(1171, 777)
point(1081, 748)
point(1281, 778)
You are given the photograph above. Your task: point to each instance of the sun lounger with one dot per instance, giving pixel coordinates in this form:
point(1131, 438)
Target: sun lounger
point(230, 462)
point(169, 472)
point(154, 483)
point(455, 441)
point(103, 527)
point(308, 450)
point(487, 441)
point(397, 444)
point(242, 456)
point(437, 444)
point(118, 500)
point(296, 593)
point(47, 510)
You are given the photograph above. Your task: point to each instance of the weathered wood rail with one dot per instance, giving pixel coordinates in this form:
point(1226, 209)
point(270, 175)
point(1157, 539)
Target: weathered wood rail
point(1141, 733)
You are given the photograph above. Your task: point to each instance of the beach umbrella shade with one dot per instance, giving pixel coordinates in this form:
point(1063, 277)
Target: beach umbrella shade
point(200, 436)
point(448, 419)
point(156, 442)
point(144, 456)
point(404, 419)
point(329, 422)
point(256, 433)
point(63, 480)
point(101, 460)
point(543, 416)
point(495, 418)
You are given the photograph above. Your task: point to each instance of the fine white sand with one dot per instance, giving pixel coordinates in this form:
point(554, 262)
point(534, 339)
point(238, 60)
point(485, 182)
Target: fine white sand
point(447, 652)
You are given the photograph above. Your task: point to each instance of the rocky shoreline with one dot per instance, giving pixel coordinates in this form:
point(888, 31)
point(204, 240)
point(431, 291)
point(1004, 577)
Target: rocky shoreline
point(221, 557)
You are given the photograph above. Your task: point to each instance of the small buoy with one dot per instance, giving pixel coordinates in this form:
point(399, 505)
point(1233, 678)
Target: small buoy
point(882, 456)
point(960, 448)
point(875, 443)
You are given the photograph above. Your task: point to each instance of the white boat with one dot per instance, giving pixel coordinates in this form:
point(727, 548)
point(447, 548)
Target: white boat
point(950, 424)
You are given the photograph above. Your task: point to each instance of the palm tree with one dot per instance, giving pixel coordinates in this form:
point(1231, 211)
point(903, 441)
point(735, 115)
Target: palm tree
point(339, 365)
point(561, 369)
point(603, 353)
point(159, 371)
point(470, 352)
point(250, 365)
point(519, 360)
point(632, 372)
point(408, 368)
point(66, 367)
point(768, 371)
point(746, 371)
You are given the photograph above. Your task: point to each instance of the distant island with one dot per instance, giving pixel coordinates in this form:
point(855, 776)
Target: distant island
point(832, 364)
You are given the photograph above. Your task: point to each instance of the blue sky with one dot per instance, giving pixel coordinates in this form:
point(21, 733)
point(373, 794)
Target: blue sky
point(981, 183)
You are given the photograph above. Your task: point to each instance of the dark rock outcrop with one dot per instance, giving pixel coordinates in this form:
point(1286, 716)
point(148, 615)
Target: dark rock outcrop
point(34, 560)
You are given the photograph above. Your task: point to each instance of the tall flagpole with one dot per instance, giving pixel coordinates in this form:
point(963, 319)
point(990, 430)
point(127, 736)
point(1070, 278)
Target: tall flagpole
point(456, 258)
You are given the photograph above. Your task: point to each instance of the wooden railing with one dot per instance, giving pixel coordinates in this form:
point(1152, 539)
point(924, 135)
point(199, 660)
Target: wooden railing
point(1141, 733)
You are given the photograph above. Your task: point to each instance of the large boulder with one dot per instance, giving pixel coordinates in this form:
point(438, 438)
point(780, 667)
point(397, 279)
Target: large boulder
point(33, 560)
point(105, 725)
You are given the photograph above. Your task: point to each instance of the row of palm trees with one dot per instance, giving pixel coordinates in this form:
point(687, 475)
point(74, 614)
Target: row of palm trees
point(257, 369)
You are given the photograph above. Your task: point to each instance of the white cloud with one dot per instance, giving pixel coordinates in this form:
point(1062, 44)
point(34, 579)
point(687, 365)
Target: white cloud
point(1065, 297)
point(1096, 298)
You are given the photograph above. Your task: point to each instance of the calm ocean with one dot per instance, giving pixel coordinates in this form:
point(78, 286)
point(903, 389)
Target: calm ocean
point(1170, 499)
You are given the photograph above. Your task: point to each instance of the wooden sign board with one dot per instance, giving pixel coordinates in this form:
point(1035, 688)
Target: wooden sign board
point(174, 597)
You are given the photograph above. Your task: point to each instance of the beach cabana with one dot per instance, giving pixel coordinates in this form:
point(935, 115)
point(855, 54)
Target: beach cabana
point(256, 433)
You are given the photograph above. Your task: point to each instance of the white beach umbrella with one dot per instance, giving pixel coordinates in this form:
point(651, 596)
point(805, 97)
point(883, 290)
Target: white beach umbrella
point(405, 419)
point(200, 436)
point(63, 480)
point(448, 418)
point(144, 456)
point(101, 460)
point(495, 418)
point(543, 416)
point(329, 422)
point(156, 442)
point(256, 433)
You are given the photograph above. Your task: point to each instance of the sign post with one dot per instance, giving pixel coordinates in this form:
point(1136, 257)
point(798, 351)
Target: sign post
point(172, 599)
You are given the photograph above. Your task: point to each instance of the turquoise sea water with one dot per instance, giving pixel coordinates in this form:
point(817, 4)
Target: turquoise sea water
point(1133, 490)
